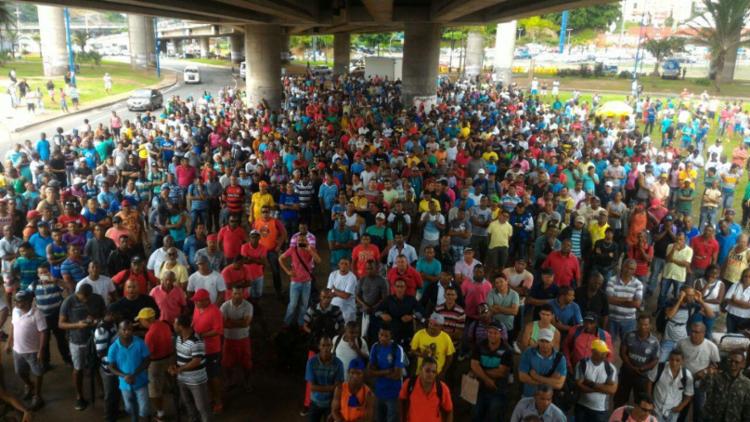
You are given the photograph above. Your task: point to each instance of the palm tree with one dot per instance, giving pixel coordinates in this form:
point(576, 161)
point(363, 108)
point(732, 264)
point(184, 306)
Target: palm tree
point(720, 28)
point(663, 48)
point(80, 38)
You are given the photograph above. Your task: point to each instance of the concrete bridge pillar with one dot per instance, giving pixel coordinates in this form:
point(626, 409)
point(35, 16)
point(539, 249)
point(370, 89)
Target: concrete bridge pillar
point(203, 43)
point(421, 60)
point(505, 44)
point(474, 54)
point(54, 48)
point(142, 41)
point(342, 45)
point(237, 48)
point(263, 57)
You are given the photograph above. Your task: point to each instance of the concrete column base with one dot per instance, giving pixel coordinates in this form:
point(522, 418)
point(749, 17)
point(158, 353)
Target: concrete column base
point(474, 54)
point(142, 41)
point(263, 58)
point(54, 47)
point(203, 42)
point(237, 48)
point(505, 45)
point(342, 45)
point(421, 60)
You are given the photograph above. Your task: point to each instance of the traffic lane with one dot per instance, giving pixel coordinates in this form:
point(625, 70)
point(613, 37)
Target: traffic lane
point(212, 79)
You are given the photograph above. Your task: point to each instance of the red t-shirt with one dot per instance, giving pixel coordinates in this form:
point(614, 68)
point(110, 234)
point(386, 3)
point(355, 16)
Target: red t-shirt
point(145, 280)
point(565, 267)
point(255, 271)
point(703, 251)
point(159, 340)
point(170, 303)
point(426, 407)
point(209, 319)
point(411, 276)
point(64, 220)
point(232, 241)
point(233, 276)
point(361, 254)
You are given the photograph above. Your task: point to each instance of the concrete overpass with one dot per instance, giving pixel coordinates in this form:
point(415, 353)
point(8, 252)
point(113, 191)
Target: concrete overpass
point(263, 26)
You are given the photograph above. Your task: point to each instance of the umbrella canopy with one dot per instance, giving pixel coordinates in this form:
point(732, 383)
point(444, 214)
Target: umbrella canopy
point(614, 109)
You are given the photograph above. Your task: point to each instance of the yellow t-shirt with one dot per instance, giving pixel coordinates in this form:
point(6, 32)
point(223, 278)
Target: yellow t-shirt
point(260, 200)
point(439, 347)
point(360, 202)
point(499, 234)
point(488, 155)
point(596, 231)
point(424, 206)
point(735, 265)
point(674, 271)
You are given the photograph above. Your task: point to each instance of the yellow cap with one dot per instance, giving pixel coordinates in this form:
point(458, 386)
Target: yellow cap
point(146, 313)
point(599, 346)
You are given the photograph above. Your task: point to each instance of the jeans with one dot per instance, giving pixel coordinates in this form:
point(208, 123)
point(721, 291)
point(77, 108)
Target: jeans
point(317, 413)
point(138, 398)
point(699, 400)
point(479, 244)
point(667, 416)
point(489, 407)
point(657, 265)
point(497, 257)
point(665, 349)
point(708, 214)
point(59, 334)
point(727, 198)
point(299, 296)
point(735, 323)
point(620, 327)
point(628, 381)
point(386, 410)
point(111, 399)
point(256, 288)
point(198, 216)
point(584, 414)
point(195, 398)
point(273, 262)
point(666, 285)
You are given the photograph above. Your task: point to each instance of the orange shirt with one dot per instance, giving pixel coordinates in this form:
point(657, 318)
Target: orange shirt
point(351, 413)
point(269, 232)
point(361, 254)
point(426, 407)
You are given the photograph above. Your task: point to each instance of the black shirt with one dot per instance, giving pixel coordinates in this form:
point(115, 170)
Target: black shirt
point(597, 303)
point(127, 309)
point(605, 254)
point(75, 310)
point(397, 308)
point(492, 359)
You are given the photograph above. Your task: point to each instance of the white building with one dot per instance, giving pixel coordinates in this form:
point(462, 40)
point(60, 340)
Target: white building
point(659, 11)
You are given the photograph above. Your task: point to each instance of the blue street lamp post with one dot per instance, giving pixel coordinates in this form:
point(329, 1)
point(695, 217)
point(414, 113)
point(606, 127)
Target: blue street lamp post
point(157, 46)
point(69, 42)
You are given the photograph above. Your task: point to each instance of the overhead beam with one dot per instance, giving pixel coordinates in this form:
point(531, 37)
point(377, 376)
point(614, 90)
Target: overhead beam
point(209, 8)
point(517, 9)
point(284, 10)
point(380, 10)
point(448, 10)
point(127, 8)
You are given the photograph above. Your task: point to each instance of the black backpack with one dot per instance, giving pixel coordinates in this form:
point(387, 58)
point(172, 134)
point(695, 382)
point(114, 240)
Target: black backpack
point(660, 369)
point(565, 397)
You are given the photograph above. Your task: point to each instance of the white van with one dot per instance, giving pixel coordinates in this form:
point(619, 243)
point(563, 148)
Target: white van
point(191, 75)
point(243, 69)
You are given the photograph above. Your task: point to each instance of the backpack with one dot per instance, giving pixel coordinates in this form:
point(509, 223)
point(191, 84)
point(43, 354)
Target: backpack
point(579, 330)
point(565, 397)
point(626, 414)
point(607, 368)
point(660, 369)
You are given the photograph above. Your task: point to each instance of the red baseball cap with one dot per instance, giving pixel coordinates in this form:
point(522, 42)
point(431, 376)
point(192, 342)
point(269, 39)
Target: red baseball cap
point(212, 237)
point(201, 294)
point(32, 214)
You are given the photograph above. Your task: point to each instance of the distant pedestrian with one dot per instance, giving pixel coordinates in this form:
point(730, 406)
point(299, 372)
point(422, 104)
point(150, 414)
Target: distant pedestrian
point(74, 96)
point(107, 83)
point(51, 90)
point(63, 101)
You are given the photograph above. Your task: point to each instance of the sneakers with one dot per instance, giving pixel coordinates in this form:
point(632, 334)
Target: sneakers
point(81, 404)
point(305, 411)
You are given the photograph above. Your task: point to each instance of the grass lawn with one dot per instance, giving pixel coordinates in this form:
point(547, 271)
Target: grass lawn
point(89, 79)
point(738, 88)
point(302, 62)
point(217, 62)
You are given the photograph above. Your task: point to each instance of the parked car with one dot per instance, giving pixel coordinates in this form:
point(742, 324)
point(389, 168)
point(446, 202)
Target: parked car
point(321, 71)
point(145, 99)
point(191, 75)
point(671, 69)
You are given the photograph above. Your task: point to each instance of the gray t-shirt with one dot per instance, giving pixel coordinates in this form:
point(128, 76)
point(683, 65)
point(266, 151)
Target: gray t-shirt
point(676, 328)
point(372, 289)
point(75, 311)
point(229, 311)
point(642, 352)
point(483, 216)
point(457, 225)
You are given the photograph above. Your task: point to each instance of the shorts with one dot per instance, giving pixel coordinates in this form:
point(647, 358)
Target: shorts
point(27, 362)
point(237, 353)
point(158, 377)
point(79, 354)
point(213, 365)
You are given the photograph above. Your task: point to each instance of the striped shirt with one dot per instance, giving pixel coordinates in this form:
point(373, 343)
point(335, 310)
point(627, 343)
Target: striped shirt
point(104, 335)
point(187, 350)
point(76, 270)
point(633, 290)
point(305, 192)
point(455, 318)
point(48, 297)
point(575, 239)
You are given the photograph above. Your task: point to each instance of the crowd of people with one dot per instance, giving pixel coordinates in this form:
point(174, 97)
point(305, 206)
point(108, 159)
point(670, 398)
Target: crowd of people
point(512, 250)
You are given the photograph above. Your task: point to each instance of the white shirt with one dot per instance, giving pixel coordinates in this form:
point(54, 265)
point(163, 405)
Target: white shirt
point(738, 291)
point(212, 282)
point(160, 255)
point(346, 283)
point(598, 375)
point(346, 354)
point(102, 286)
point(668, 391)
point(697, 358)
point(26, 330)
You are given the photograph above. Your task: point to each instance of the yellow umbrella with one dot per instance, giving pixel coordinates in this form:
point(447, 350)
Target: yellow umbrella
point(614, 109)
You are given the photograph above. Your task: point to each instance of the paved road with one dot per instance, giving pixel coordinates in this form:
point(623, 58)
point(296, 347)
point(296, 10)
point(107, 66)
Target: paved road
point(212, 79)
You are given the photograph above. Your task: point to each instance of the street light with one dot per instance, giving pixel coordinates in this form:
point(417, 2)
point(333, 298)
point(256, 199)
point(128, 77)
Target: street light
point(638, 54)
point(570, 31)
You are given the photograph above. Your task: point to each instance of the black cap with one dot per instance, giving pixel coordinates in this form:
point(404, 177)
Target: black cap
point(590, 316)
point(23, 296)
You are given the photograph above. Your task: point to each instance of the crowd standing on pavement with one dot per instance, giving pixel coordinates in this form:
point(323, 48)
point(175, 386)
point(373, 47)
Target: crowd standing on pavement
point(497, 247)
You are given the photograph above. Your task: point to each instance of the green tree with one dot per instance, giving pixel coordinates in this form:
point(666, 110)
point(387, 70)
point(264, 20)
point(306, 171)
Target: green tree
point(374, 41)
point(7, 21)
point(598, 17)
point(454, 36)
point(536, 27)
point(80, 38)
point(663, 48)
point(720, 28)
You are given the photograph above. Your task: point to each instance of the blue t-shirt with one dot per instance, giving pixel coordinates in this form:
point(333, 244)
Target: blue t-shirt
point(26, 269)
point(430, 268)
point(127, 360)
point(42, 147)
point(39, 243)
point(289, 200)
point(570, 315)
point(386, 357)
point(321, 374)
point(328, 194)
point(532, 359)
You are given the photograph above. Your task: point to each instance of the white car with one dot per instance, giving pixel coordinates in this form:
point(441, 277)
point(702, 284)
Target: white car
point(191, 75)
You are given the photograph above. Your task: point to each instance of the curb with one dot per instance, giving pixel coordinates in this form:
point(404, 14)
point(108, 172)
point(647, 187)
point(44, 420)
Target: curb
point(121, 97)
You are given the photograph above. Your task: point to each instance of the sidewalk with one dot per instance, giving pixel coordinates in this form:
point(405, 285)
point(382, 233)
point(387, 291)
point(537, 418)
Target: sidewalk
point(19, 119)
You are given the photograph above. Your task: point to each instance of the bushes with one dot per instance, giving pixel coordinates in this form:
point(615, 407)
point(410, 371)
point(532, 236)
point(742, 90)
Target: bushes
point(89, 57)
point(703, 82)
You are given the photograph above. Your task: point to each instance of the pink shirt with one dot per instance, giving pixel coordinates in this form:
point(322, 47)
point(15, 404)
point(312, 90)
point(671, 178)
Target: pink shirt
point(27, 328)
point(474, 294)
point(300, 274)
point(185, 175)
point(170, 303)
